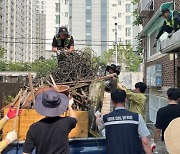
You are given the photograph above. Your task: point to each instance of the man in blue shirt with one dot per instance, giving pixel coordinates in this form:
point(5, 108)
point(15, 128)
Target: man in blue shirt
point(125, 131)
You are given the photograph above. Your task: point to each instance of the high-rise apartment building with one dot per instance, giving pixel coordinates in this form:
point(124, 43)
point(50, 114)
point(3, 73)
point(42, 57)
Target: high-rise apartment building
point(40, 25)
point(18, 29)
point(1, 18)
point(91, 23)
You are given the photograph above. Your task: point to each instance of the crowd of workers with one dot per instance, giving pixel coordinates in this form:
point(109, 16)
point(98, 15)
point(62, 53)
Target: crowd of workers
point(126, 131)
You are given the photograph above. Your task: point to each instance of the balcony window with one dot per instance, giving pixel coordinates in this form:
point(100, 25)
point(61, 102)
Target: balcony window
point(128, 8)
point(57, 7)
point(57, 19)
point(119, 15)
point(128, 42)
point(128, 31)
point(128, 20)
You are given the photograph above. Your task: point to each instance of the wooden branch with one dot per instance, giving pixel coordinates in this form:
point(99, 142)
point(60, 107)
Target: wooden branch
point(18, 108)
point(31, 87)
point(55, 88)
point(17, 97)
point(54, 83)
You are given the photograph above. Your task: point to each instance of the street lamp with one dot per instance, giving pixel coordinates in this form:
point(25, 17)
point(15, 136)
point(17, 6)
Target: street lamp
point(116, 42)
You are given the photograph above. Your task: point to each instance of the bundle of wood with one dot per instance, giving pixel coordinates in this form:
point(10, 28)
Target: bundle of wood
point(76, 70)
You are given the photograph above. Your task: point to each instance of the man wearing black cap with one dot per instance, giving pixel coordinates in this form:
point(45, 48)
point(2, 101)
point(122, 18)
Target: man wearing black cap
point(63, 40)
point(50, 134)
point(171, 23)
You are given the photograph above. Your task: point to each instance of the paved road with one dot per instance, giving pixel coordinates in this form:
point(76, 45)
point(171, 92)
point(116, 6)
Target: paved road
point(160, 149)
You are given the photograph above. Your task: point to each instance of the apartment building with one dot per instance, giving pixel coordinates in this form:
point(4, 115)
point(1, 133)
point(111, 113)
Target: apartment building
point(18, 29)
point(1, 18)
point(92, 23)
point(162, 64)
point(40, 25)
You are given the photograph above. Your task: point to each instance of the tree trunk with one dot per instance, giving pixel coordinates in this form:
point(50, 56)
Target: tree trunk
point(96, 95)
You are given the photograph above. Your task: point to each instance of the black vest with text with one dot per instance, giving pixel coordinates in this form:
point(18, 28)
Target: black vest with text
point(122, 132)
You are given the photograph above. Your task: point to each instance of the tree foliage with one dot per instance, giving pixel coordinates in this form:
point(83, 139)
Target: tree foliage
point(41, 67)
point(138, 19)
point(127, 56)
point(2, 52)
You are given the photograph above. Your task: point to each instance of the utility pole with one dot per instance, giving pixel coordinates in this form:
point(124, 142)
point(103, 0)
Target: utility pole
point(116, 42)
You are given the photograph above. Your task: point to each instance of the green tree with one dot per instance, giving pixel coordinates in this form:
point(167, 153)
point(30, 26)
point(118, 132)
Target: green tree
point(18, 66)
point(2, 52)
point(3, 66)
point(127, 56)
point(138, 19)
point(43, 67)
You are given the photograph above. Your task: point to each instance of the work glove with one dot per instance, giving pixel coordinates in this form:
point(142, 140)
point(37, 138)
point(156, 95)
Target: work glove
point(71, 101)
point(11, 136)
point(153, 146)
point(170, 34)
point(155, 44)
point(12, 113)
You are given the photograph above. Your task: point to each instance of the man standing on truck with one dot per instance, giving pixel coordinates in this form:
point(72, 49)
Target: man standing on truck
point(50, 134)
point(63, 40)
point(171, 23)
point(125, 131)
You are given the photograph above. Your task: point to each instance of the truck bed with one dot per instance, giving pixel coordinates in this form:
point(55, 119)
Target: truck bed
point(77, 146)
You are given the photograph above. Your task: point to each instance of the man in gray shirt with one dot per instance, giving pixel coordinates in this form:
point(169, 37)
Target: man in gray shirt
point(125, 131)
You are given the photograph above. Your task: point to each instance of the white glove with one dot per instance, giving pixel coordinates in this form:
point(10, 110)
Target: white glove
point(71, 101)
point(11, 136)
point(97, 113)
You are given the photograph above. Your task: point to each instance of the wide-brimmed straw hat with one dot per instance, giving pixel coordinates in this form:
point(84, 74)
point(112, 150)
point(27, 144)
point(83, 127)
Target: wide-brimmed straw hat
point(51, 103)
point(114, 67)
point(172, 137)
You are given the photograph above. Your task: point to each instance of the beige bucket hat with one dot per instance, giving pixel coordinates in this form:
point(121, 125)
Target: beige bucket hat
point(172, 137)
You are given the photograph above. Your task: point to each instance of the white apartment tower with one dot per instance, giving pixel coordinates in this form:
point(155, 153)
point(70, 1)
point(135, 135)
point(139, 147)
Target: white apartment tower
point(40, 29)
point(18, 29)
point(1, 18)
point(126, 30)
point(91, 23)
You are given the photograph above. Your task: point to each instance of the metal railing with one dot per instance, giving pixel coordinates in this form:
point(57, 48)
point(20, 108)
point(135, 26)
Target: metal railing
point(146, 5)
point(155, 102)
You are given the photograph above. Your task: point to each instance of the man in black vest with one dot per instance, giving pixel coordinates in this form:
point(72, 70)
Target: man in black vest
point(63, 40)
point(124, 130)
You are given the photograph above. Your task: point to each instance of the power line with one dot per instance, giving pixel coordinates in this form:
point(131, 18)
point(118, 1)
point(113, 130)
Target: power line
point(41, 39)
point(75, 44)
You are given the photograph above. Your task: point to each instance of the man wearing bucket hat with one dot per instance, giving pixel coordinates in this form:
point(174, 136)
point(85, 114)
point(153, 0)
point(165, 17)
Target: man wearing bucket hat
point(111, 83)
point(63, 40)
point(166, 114)
point(50, 135)
point(171, 23)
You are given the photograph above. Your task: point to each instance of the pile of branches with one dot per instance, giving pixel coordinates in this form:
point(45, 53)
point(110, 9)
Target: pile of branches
point(76, 70)
point(74, 66)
